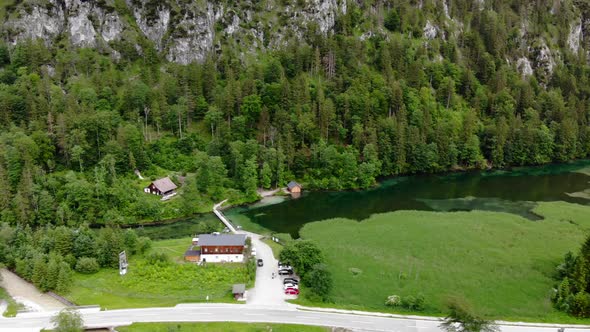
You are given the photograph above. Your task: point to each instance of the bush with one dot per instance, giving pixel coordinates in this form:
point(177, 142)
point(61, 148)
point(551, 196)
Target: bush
point(87, 265)
point(319, 280)
point(393, 301)
point(462, 317)
point(414, 303)
point(158, 258)
point(143, 244)
point(410, 302)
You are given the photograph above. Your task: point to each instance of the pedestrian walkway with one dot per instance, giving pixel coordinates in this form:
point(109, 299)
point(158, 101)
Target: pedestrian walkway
point(223, 219)
point(27, 294)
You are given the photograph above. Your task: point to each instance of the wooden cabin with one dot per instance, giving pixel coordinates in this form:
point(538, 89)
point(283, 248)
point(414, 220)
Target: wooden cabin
point(294, 187)
point(216, 248)
point(161, 187)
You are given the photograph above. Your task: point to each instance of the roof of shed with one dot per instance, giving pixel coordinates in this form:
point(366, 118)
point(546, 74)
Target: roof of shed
point(192, 253)
point(238, 289)
point(164, 184)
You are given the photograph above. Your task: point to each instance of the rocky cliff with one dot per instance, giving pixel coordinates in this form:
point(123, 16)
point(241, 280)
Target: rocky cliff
point(185, 31)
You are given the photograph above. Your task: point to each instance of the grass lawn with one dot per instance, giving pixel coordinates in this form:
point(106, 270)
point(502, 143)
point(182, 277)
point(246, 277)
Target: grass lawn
point(148, 285)
point(276, 248)
point(219, 327)
point(174, 248)
point(500, 262)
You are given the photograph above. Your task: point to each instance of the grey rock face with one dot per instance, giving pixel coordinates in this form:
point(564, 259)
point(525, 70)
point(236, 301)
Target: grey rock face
point(187, 31)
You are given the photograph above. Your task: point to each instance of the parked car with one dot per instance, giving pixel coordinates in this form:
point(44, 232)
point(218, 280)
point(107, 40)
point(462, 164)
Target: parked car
point(284, 272)
point(292, 291)
point(253, 251)
point(290, 281)
point(290, 285)
point(285, 267)
point(259, 262)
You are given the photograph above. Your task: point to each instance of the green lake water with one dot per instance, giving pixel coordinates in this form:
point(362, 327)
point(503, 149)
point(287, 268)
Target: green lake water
point(515, 191)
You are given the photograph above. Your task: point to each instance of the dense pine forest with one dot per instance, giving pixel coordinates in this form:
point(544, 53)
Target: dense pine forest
point(378, 96)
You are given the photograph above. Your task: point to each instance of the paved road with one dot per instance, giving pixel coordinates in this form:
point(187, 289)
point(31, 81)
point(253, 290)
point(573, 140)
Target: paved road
point(246, 313)
point(266, 291)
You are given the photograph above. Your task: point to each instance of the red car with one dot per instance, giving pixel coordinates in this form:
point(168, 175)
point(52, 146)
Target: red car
point(291, 291)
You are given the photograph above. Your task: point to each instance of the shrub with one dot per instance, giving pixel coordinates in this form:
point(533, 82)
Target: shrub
point(158, 258)
point(355, 272)
point(87, 265)
point(143, 244)
point(393, 301)
point(414, 303)
point(410, 302)
point(462, 317)
point(319, 280)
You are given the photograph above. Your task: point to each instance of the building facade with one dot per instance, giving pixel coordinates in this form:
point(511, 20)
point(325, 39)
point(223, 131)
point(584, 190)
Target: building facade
point(220, 248)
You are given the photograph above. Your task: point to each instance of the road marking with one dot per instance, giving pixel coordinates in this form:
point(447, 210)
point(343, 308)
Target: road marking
point(307, 317)
point(253, 314)
point(360, 321)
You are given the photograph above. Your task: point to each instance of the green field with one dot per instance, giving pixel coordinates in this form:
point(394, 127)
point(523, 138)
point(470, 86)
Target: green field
point(148, 285)
point(501, 262)
point(174, 248)
point(219, 327)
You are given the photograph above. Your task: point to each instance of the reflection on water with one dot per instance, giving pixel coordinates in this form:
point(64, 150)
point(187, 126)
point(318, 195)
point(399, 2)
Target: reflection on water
point(512, 191)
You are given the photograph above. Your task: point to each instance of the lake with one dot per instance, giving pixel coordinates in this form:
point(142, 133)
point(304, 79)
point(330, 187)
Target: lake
point(514, 191)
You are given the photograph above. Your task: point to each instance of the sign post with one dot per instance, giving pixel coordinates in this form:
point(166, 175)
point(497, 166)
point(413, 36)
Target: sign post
point(122, 263)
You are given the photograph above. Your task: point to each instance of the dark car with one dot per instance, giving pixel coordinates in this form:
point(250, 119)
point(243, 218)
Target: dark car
point(290, 281)
point(284, 272)
point(259, 262)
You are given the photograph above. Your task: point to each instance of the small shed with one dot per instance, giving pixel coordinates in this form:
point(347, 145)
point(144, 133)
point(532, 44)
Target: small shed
point(161, 187)
point(192, 255)
point(238, 290)
point(294, 187)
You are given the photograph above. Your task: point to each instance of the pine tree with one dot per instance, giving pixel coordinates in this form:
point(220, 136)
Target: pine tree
point(64, 278)
point(265, 175)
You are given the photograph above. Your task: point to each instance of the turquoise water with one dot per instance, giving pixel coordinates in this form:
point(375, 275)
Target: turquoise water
point(515, 191)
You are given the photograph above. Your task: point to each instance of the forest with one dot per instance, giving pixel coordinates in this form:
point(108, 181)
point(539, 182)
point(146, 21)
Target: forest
point(334, 111)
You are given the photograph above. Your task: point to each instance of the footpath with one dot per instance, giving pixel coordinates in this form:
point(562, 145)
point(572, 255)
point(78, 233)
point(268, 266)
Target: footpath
point(26, 294)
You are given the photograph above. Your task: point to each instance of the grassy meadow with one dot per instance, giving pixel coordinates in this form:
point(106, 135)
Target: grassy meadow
point(149, 285)
point(219, 327)
point(502, 263)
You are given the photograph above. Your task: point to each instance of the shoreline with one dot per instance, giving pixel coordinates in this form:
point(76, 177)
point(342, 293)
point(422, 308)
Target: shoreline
point(267, 196)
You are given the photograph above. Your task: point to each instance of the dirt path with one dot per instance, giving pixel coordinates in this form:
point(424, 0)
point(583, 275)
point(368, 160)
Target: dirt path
point(25, 293)
point(267, 193)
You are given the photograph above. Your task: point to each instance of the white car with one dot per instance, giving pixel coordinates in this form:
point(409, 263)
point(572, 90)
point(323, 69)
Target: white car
point(290, 285)
point(253, 251)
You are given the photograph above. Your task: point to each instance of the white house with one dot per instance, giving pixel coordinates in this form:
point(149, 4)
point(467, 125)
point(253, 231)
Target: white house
point(217, 248)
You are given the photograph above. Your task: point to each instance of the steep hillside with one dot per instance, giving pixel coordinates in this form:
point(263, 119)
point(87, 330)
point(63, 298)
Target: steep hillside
point(532, 36)
point(244, 94)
